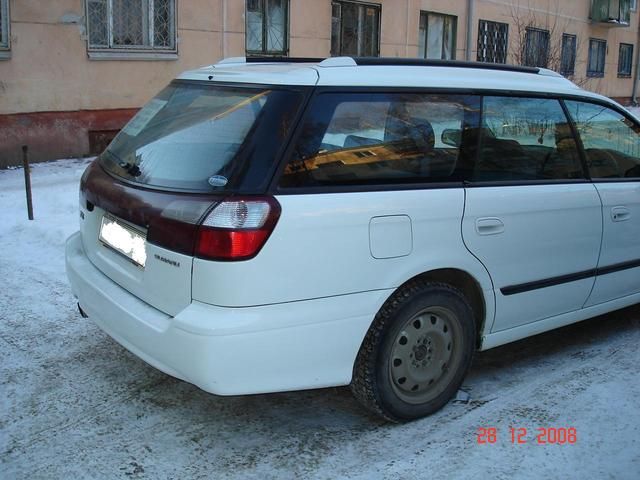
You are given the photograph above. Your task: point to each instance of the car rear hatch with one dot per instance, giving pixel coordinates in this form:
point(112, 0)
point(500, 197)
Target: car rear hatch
point(142, 202)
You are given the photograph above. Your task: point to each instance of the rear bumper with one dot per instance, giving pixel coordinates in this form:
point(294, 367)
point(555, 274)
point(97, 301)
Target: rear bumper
point(231, 351)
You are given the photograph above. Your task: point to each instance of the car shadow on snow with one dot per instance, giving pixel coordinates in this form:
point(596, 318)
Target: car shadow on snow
point(125, 399)
point(335, 408)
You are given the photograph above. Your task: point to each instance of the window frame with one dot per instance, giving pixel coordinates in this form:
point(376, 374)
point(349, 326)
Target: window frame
point(480, 45)
point(572, 70)
point(142, 52)
point(543, 181)
point(623, 112)
point(285, 157)
point(546, 34)
point(376, 6)
point(597, 73)
point(625, 73)
point(5, 47)
point(265, 51)
point(454, 33)
point(633, 5)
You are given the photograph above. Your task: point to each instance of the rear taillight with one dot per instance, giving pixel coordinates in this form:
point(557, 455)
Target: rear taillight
point(237, 229)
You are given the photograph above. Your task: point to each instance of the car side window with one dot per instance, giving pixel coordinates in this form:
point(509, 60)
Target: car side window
point(525, 139)
point(379, 138)
point(611, 141)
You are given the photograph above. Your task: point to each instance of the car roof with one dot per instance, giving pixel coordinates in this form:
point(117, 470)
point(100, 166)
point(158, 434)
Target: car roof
point(389, 72)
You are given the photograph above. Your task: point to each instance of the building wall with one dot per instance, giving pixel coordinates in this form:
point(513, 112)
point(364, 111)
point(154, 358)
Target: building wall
point(50, 72)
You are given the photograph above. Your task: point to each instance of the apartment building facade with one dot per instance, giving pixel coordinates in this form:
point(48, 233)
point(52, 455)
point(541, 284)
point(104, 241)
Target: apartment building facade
point(72, 72)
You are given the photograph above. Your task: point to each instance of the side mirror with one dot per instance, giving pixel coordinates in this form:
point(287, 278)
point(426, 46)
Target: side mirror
point(451, 137)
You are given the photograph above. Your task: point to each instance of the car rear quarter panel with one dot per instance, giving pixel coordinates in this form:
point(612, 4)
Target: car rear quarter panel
point(321, 248)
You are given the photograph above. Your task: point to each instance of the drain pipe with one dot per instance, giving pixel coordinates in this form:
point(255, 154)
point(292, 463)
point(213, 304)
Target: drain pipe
point(634, 91)
point(470, 29)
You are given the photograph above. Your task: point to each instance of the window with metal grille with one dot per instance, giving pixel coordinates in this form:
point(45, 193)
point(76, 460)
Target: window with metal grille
point(625, 60)
point(536, 47)
point(131, 24)
point(492, 41)
point(597, 54)
point(568, 54)
point(267, 27)
point(437, 36)
point(4, 25)
point(355, 29)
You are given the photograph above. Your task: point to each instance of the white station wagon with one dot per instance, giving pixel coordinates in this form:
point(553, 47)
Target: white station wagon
point(263, 225)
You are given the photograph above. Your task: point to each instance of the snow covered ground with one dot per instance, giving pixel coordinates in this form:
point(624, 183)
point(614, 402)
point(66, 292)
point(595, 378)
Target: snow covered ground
point(74, 404)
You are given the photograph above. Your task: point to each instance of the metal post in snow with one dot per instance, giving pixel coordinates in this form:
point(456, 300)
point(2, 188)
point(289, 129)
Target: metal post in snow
point(27, 180)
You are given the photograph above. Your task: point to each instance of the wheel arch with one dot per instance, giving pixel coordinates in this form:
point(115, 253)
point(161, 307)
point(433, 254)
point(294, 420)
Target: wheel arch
point(466, 283)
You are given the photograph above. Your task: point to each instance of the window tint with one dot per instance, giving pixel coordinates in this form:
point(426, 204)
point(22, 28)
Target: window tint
point(361, 138)
point(611, 141)
point(203, 137)
point(525, 139)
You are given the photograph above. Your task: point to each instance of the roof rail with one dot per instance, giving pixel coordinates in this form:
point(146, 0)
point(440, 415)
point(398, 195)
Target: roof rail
point(231, 60)
point(419, 62)
point(267, 59)
point(338, 62)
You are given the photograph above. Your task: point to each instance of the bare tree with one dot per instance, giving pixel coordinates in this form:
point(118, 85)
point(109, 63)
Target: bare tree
point(549, 25)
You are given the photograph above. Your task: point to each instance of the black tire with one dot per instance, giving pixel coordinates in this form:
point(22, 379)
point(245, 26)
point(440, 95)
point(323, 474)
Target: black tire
point(416, 353)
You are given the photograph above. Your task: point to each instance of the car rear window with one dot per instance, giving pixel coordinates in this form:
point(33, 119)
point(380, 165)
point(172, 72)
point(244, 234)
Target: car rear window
point(203, 137)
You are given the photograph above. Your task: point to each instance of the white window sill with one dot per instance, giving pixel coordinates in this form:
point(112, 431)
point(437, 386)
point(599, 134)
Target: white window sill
point(128, 55)
point(5, 54)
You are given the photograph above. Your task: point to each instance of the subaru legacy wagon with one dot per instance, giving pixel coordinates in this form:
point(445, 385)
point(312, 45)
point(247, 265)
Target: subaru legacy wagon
point(265, 225)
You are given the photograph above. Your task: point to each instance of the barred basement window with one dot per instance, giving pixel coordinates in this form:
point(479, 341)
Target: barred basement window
point(568, 55)
point(267, 27)
point(536, 47)
point(597, 54)
point(355, 29)
point(492, 41)
point(131, 25)
point(625, 61)
point(4, 25)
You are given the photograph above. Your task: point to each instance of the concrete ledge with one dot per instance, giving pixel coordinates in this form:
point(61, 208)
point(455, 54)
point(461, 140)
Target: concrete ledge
point(135, 56)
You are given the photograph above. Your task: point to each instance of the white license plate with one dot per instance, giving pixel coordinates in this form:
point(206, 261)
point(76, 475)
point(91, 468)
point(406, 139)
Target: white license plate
point(124, 239)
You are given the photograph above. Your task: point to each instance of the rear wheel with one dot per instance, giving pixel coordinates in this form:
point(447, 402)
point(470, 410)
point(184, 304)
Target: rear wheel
point(417, 352)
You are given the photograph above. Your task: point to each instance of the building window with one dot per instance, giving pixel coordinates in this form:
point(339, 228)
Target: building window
point(267, 27)
point(634, 5)
point(568, 55)
point(536, 48)
point(597, 53)
point(625, 60)
point(492, 41)
point(437, 37)
point(143, 25)
point(5, 42)
point(355, 29)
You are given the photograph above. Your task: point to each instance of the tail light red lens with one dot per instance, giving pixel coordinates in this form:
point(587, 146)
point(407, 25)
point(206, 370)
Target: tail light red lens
point(237, 229)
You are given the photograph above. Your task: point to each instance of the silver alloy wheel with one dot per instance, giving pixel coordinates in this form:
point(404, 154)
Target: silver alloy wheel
point(425, 355)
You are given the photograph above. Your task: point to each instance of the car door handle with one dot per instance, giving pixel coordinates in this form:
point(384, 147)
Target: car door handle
point(489, 226)
point(620, 214)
